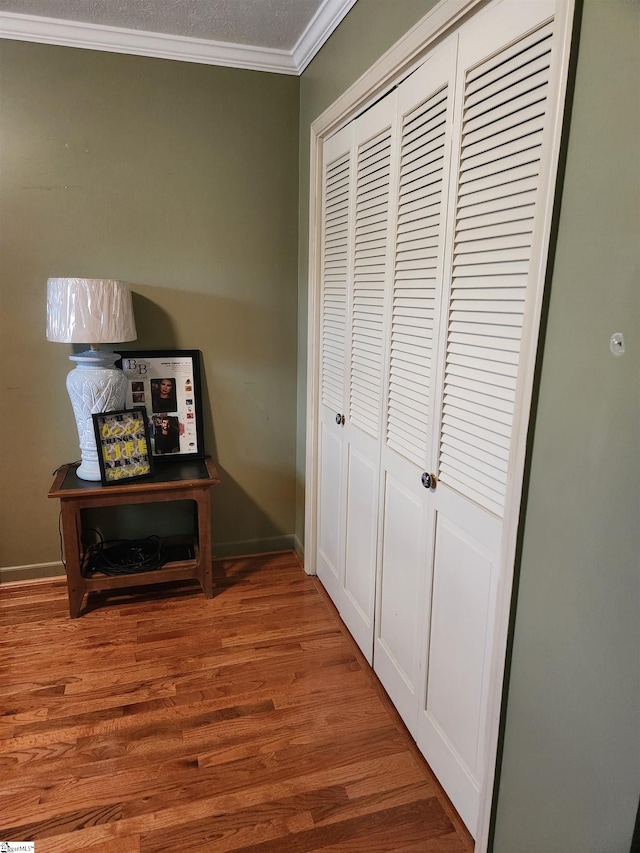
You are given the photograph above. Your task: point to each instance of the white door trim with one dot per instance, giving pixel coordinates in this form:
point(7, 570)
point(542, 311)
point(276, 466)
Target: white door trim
point(387, 72)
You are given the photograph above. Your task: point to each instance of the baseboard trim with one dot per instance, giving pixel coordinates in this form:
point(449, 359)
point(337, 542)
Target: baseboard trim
point(31, 572)
point(45, 571)
point(247, 547)
point(298, 547)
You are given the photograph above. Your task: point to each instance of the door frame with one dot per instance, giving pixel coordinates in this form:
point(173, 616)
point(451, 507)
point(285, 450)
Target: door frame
point(398, 62)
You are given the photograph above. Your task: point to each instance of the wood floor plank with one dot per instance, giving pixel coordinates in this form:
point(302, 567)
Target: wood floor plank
point(247, 723)
point(90, 841)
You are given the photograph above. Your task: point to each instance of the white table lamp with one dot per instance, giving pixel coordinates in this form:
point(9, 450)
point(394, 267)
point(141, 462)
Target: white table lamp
point(91, 311)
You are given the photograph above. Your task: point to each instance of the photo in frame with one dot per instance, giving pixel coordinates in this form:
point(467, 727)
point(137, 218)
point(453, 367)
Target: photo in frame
point(124, 448)
point(167, 383)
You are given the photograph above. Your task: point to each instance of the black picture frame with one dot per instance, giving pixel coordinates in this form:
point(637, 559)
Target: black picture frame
point(123, 444)
point(149, 373)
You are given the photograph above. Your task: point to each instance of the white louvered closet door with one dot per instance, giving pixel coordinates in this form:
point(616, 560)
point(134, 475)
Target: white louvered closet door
point(433, 247)
point(335, 283)
point(503, 107)
point(370, 251)
point(425, 109)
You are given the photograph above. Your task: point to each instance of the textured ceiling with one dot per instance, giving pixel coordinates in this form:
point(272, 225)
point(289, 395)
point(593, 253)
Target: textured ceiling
point(276, 24)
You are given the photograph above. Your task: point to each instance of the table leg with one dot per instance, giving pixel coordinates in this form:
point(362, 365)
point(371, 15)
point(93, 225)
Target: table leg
point(204, 567)
point(76, 587)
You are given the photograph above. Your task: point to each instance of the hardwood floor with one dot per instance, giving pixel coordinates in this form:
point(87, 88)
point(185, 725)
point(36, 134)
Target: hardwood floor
point(164, 721)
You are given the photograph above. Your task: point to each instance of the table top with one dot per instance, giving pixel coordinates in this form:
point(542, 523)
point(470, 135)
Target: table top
point(176, 474)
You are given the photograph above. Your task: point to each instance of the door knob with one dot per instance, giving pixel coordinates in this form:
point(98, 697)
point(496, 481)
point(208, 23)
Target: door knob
point(429, 481)
point(340, 419)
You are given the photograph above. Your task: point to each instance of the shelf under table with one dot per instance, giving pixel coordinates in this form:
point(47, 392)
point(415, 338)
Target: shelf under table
point(173, 481)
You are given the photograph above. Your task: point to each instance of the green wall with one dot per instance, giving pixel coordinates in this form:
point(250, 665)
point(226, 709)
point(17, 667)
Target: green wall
point(570, 768)
point(181, 179)
point(570, 773)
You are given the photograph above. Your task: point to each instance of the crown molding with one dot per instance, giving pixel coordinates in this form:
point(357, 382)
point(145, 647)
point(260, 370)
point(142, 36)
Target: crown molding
point(320, 28)
point(181, 48)
point(139, 43)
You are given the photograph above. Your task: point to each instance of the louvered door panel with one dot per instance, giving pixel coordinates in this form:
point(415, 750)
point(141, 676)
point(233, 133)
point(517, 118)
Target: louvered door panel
point(505, 102)
point(424, 128)
point(417, 272)
point(370, 273)
point(502, 130)
point(373, 166)
point(335, 274)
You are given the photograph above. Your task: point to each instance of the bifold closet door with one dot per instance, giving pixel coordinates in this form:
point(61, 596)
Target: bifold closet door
point(335, 278)
point(374, 168)
point(504, 102)
point(434, 240)
point(424, 121)
point(355, 274)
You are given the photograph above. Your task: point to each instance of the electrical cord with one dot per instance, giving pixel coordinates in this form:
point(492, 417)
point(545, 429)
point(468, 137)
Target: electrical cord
point(62, 559)
point(121, 556)
point(70, 464)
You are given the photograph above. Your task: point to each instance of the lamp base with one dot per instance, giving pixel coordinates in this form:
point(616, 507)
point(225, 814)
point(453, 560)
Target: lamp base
point(94, 386)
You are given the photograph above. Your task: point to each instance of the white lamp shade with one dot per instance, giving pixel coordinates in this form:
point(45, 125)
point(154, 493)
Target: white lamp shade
point(89, 311)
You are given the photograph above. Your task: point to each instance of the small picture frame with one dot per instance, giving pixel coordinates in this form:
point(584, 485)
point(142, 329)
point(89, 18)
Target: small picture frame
point(124, 448)
point(167, 383)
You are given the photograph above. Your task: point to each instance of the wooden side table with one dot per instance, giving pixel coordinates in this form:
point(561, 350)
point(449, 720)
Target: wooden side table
point(173, 481)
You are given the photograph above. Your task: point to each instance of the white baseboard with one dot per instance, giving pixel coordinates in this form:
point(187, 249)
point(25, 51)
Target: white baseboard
point(42, 571)
point(254, 546)
point(298, 547)
point(34, 571)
